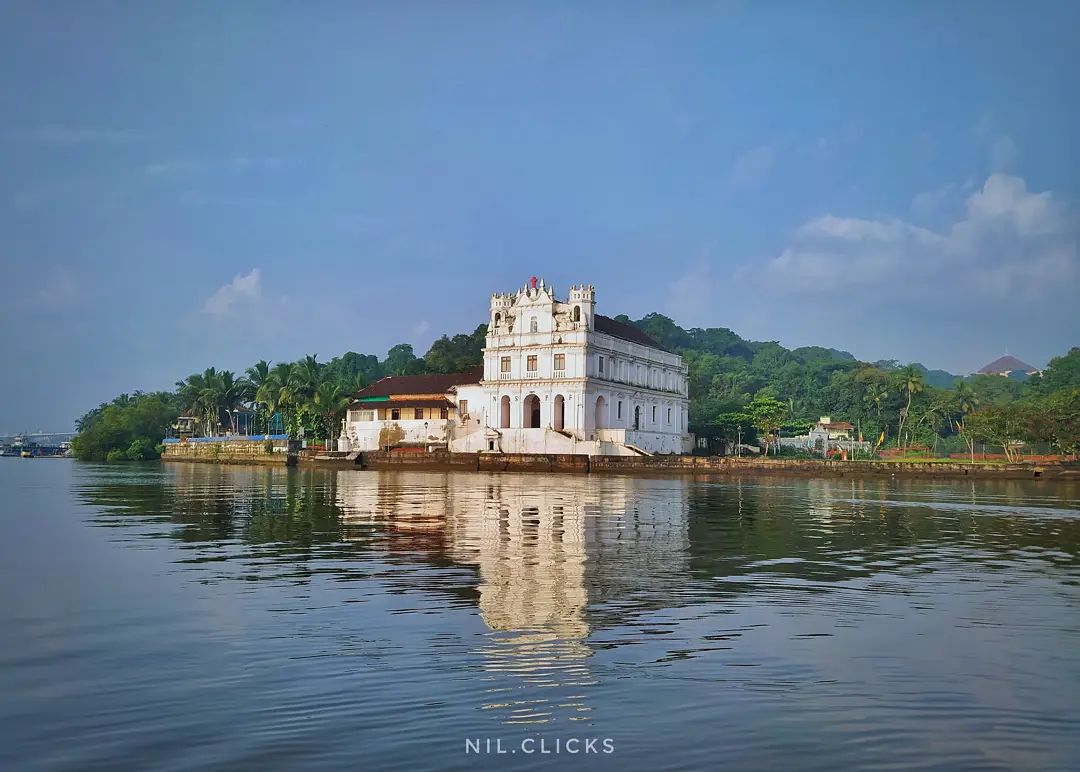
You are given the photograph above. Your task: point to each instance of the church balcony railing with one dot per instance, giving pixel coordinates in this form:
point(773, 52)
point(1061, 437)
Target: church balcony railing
point(558, 374)
point(532, 373)
point(506, 376)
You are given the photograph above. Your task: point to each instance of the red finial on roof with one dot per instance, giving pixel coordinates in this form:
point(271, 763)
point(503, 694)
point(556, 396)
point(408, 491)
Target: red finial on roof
point(532, 282)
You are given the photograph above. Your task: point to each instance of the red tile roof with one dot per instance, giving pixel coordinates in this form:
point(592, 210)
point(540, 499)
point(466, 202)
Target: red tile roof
point(436, 383)
point(402, 404)
point(839, 425)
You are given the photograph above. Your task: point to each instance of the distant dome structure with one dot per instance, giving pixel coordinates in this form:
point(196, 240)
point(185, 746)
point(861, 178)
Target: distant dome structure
point(1007, 365)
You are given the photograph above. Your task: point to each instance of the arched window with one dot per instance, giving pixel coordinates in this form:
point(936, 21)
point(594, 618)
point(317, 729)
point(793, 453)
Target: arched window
point(530, 418)
point(498, 318)
point(576, 316)
point(532, 325)
point(558, 419)
point(601, 413)
point(504, 413)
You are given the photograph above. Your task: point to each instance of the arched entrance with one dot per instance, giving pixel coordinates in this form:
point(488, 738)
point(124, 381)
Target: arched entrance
point(601, 413)
point(530, 416)
point(504, 413)
point(558, 419)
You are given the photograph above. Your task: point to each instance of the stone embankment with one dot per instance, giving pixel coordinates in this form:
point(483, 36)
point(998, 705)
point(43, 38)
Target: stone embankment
point(484, 462)
point(273, 452)
point(248, 452)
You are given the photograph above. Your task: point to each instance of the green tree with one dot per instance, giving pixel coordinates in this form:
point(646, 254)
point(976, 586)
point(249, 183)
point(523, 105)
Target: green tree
point(331, 399)
point(1062, 372)
point(400, 360)
point(909, 382)
point(233, 394)
point(1004, 425)
point(1054, 420)
point(456, 354)
point(117, 425)
point(875, 399)
point(966, 403)
point(768, 415)
point(1063, 409)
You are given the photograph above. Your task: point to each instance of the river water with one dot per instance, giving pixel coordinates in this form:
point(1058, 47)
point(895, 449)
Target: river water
point(183, 616)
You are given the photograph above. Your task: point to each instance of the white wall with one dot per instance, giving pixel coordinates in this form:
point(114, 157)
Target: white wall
point(364, 435)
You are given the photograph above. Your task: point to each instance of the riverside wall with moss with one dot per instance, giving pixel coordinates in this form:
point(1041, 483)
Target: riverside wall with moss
point(271, 452)
point(258, 452)
point(490, 462)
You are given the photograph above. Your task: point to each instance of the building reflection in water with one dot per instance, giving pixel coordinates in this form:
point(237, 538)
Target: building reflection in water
point(545, 548)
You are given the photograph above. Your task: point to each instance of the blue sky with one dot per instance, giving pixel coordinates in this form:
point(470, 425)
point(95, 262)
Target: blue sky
point(209, 184)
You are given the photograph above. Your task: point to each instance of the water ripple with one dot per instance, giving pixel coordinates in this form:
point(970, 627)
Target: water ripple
point(194, 616)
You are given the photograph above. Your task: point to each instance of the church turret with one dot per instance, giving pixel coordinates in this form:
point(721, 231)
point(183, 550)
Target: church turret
point(582, 300)
point(501, 318)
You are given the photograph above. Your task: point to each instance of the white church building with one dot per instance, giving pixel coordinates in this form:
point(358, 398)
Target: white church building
point(557, 378)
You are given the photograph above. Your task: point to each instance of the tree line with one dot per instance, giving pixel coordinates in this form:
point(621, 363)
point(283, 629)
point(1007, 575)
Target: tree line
point(301, 398)
point(736, 387)
point(763, 389)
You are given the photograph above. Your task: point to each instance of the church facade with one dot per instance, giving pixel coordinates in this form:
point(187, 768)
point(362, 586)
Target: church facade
point(557, 378)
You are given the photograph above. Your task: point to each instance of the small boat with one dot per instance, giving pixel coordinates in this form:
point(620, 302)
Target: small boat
point(26, 454)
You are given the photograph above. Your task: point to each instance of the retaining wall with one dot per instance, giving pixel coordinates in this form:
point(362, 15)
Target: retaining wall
point(249, 452)
point(228, 452)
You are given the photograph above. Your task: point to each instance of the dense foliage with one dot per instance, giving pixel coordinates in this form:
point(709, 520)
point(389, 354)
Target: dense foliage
point(902, 406)
point(128, 428)
point(738, 389)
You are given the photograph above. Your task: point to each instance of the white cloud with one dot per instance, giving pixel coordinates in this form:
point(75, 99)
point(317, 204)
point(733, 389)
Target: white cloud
point(1006, 200)
point(1010, 245)
point(241, 291)
point(931, 201)
point(753, 166)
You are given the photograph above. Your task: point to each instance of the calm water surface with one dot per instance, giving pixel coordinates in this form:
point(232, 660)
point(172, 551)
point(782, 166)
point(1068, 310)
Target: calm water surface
point(195, 616)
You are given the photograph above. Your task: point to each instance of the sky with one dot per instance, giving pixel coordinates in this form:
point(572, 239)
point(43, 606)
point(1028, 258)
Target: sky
point(193, 184)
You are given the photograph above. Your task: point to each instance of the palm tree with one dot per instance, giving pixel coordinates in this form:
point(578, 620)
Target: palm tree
point(304, 379)
point(331, 398)
point(232, 394)
point(966, 398)
point(278, 381)
point(269, 394)
point(874, 398)
point(910, 381)
point(200, 395)
point(966, 402)
point(257, 375)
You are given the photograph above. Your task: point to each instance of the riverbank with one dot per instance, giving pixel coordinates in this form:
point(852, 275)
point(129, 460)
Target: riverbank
point(275, 453)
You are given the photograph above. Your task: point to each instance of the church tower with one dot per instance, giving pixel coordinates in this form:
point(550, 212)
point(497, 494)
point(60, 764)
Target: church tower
point(582, 302)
